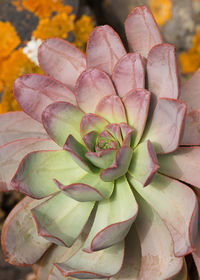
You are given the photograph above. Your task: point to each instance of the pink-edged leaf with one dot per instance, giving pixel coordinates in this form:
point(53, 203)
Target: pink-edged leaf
point(137, 105)
point(97, 265)
point(92, 85)
point(163, 80)
point(191, 131)
point(92, 122)
point(20, 242)
point(90, 140)
point(113, 218)
point(102, 159)
point(114, 129)
point(128, 74)
point(12, 153)
point(177, 206)
point(120, 165)
point(104, 48)
point(52, 217)
point(183, 164)
point(196, 253)
point(18, 125)
point(165, 127)
point(88, 188)
point(61, 60)
point(61, 119)
point(112, 109)
point(35, 92)
point(37, 171)
point(142, 31)
point(158, 260)
point(183, 274)
point(144, 164)
point(127, 133)
point(190, 92)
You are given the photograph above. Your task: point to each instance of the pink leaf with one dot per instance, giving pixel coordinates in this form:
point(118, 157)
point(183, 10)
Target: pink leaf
point(191, 131)
point(92, 122)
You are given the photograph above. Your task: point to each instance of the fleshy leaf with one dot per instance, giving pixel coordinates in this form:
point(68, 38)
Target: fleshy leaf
point(120, 165)
point(20, 242)
point(128, 74)
point(90, 140)
point(113, 219)
point(182, 275)
point(176, 204)
point(115, 130)
point(165, 127)
point(61, 218)
point(61, 119)
point(92, 122)
point(61, 60)
point(102, 159)
point(137, 105)
point(96, 265)
point(92, 85)
point(35, 92)
point(112, 109)
point(104, 48)
point(190, 92)
point(38, 170)
point(142, 31)
point(158, 260)
point(191, 131)
point(162, 72)
point(196, 253)
point(127, 132)
point(183, 164)
point(12, 153)
point(18, 125)
point(88, 188)
point(144, 163)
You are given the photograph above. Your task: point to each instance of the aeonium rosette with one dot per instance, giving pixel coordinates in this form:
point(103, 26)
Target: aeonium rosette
point(109, 177)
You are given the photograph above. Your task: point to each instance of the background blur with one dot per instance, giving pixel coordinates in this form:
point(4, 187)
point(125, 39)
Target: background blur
point(24, 24)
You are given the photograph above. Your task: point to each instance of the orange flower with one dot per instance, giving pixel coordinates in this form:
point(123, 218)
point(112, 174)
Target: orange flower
point(161, 10)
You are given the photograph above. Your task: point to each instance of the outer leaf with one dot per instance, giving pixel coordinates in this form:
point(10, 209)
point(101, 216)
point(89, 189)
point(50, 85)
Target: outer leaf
point(61, 60)
point(191, 131)
point(35, 92)
point(97, 265)
point(142, 31)
point(112, 109)
point(196, 253)
point(162, 72)
point(58, 223)
point(92, 85)
point(183, 164)
point(177, 206)
point(158, 261)
point(20, 243)
point(38, 170)
point(104, 48)
point(190, 92)
point(137, 105)
point(113, 219)
point(92, 122)
point(165, 127)
point(182, 275)
point(17, 125)
point(12, 153)
point(144, 164)
point(61, 119)
point(128, 74)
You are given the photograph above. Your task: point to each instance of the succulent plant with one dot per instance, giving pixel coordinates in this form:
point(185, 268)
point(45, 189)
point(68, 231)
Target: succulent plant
point(110, 169)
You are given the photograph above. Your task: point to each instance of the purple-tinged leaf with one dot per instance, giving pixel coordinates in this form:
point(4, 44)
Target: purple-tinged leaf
point(115, 130)
point(144, 164)
point(112, 109)
point(61, 60)
point(61, 119)
point(90, 140)
point(162, 72)
point(20, 242)
point(113, 219)
point(127, 133)
point(52, 218)
point(12, 153)
point(92, 85)
point(137, 106)
point(177, 206)
point(165, 127)
point(142, 31)
point(128, 74)
point(35, 92)
point(120, 165)
point(102, 159)
point(104, 49)
point(191, 131)
point(92, 122)
point(190, 92)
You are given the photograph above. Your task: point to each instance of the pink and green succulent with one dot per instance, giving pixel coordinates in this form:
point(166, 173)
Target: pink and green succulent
point(107, 153)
